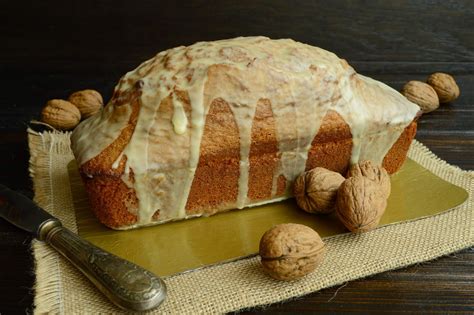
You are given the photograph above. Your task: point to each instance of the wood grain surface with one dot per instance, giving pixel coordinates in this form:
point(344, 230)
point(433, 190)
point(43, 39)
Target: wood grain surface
point(52, 48)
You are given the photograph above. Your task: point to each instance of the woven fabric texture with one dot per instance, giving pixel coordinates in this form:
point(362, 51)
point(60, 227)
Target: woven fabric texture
point(60, 288)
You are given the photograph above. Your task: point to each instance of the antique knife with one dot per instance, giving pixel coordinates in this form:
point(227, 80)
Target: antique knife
point(124, 283)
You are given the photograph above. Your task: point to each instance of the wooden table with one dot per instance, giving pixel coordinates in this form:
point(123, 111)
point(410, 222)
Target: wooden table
point(50, 49)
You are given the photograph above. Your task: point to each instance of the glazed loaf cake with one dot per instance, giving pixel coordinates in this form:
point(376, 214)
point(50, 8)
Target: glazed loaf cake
point(230, 124)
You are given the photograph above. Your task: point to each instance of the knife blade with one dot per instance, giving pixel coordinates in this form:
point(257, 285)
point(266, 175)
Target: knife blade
point(127, 285)
point(22, 212)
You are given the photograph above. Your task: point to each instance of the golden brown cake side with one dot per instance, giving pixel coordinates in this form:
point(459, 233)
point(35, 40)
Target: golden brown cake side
point(230, 124)
point(215, 183)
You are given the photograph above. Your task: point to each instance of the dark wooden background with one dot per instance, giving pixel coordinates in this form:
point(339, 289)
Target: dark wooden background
point(50, 48)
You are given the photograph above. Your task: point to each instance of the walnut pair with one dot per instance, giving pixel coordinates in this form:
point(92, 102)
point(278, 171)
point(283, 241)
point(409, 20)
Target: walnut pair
point(359, 201)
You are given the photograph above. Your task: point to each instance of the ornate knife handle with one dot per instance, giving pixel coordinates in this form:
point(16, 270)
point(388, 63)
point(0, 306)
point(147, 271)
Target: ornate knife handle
point(124, 283)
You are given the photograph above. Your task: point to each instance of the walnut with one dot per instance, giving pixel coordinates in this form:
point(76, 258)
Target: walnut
point(315, 190)
point(422, 95)
point(360, 204)
point(60, 114)
point(291, 251)
point(445, 86)
point(376, 173)
point(88, 102)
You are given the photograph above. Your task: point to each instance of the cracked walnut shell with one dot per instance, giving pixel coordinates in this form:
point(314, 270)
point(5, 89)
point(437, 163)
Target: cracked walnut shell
point(315, 191)
point(291, 251)
point(88, 102)
point(360, 204)
point(376, 173)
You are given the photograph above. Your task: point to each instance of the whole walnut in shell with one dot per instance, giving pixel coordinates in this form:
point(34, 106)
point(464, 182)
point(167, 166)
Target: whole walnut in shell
point(315, 190)
point(445, 86)
point(291, 251)
point(360, 204)
point(60, 114)
point(376, 173)
point(422, 94)
point(88, 102)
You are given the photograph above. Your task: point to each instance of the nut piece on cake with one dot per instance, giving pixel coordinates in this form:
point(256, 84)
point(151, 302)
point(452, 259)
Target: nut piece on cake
point(315, 190)
point(291, 251)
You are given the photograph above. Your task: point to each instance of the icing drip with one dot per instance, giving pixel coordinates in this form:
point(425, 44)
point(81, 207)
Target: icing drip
point(137, 153)
point(179, 116)
point(275, 180)
point(116, 164)
point(301, 82)
point(196, 97)
point(292, 123)
point(244, 114)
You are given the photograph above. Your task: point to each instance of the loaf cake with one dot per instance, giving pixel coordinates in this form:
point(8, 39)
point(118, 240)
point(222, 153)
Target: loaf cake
point(230, 124)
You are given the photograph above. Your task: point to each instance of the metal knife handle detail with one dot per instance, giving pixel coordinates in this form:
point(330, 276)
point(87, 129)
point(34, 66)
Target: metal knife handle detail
point(124, 283)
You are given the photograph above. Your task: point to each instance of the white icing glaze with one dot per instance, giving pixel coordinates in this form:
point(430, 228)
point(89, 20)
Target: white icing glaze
point(83, 144)
point(301, 82)
point(179, 116)
point(244, 114)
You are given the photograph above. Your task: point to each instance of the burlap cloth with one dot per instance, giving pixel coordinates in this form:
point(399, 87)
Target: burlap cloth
point(60, 288)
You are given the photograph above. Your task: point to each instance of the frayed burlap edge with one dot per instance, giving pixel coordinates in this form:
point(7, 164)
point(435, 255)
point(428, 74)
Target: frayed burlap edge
point(241, 284)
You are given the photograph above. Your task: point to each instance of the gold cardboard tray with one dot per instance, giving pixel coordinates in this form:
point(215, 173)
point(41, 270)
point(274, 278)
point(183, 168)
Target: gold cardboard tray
point(185, 245)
